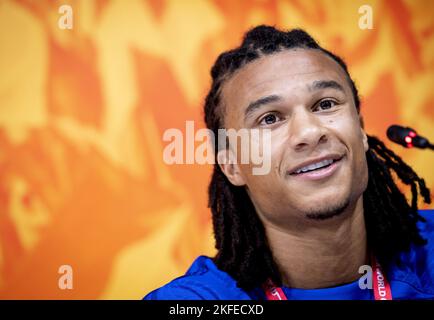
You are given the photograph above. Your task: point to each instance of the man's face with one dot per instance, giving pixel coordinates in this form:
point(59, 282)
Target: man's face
point(304, 98)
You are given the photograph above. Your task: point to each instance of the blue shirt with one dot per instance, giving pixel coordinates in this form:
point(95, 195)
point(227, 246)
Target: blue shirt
point(414, 279)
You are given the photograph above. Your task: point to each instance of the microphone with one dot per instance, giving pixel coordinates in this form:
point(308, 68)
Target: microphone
point(407, 137)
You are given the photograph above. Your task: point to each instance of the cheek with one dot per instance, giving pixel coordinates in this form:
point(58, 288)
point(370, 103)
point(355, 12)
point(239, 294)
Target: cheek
point(347, 128)
point(359, 167)
point(269, 192)
point(265, 150)
point(269, 195)
point(349, 133)
point(264, 189)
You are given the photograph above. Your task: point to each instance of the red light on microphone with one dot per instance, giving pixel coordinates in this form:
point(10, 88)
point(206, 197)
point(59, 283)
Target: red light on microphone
point(409, 140)
point(412, 134)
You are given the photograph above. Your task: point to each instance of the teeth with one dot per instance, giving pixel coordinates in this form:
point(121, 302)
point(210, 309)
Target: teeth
point(315, 166)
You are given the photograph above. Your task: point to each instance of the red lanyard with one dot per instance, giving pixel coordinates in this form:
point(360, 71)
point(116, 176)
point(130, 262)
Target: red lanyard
point(272, 292)
point(380, 285)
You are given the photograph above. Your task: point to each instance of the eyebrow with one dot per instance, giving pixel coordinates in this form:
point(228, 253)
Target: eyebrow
point(325, 84)
point(259, 103)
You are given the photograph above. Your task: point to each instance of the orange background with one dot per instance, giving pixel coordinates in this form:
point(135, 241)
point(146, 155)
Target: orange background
point(83, 111)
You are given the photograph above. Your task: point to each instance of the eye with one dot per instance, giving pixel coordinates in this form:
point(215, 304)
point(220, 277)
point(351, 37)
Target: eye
point(324, 105)
point(268, 119)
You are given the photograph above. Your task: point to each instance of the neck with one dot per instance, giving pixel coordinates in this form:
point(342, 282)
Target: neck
point(324, 253)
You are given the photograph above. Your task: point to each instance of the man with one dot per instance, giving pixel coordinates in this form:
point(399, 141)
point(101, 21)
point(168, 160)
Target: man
point(329, 204)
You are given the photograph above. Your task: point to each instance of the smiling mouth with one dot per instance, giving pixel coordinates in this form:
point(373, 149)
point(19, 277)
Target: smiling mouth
point(318, 166)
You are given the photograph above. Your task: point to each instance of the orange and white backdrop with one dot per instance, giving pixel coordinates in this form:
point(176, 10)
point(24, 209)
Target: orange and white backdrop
point(83, 110)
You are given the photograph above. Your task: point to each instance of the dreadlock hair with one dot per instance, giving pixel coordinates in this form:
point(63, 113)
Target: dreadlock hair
point(241, 242)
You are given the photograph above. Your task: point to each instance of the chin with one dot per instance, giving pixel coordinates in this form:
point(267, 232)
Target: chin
point(325, 208)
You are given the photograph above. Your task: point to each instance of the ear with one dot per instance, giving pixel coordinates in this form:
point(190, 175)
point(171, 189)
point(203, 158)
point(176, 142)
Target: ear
point(365, 137)
point(365, 140)
point(228, 164)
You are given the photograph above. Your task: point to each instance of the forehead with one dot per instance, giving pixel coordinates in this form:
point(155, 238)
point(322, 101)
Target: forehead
point(286, 73)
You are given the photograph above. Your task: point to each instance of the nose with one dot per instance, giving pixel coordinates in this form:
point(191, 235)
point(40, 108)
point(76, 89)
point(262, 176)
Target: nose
point(306, 131)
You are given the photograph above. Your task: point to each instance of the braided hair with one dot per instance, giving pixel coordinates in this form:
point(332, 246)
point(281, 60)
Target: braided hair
point(240, 239)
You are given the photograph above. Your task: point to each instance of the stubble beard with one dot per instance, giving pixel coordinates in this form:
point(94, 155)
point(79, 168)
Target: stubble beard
point(329, 211)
